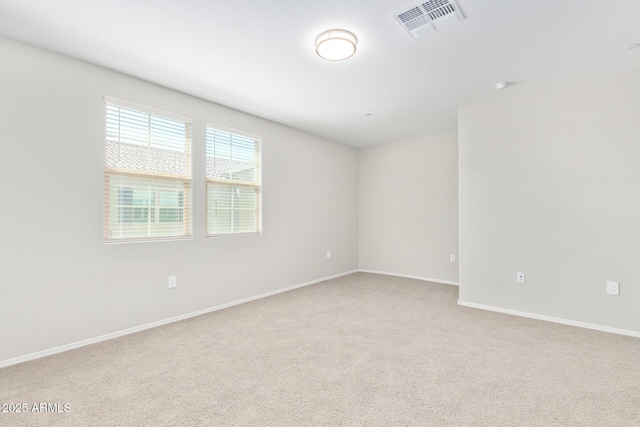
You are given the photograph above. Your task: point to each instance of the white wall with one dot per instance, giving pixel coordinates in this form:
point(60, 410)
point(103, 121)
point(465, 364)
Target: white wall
point(549, 186)
point(409, 207)
point(60, 283)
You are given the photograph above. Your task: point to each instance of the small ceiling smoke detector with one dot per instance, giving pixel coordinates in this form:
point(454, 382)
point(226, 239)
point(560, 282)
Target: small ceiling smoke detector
point(336, 45)
point(502, 85)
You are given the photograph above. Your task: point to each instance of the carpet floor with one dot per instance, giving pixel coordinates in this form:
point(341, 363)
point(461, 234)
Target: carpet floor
point(360, 350)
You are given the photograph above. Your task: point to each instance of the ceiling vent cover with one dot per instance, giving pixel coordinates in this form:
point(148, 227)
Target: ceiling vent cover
point(429, 16)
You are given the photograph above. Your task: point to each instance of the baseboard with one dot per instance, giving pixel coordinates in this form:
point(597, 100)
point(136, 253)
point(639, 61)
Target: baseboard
point(408, 276)
point(552, 319)
point(89, 341)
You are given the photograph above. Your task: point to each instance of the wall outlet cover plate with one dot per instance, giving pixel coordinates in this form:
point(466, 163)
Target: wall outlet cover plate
point(613, 288)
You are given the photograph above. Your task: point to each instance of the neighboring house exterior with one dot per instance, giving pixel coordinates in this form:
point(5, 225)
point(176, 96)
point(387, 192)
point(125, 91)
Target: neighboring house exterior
point(132, 202)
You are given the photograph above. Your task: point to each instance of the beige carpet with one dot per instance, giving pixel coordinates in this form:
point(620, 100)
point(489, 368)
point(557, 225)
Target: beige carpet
point(364, 349)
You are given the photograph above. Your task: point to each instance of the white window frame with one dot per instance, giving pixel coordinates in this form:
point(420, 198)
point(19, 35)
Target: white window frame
point(115, 176)
point(256, 185)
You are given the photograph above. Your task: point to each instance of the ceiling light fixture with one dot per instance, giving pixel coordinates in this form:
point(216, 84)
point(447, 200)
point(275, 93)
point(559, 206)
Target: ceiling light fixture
point(336, 45)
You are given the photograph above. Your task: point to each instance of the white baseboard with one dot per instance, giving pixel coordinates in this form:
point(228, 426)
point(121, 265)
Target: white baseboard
point(89, 341)
point(552, 319)
point(408, 276)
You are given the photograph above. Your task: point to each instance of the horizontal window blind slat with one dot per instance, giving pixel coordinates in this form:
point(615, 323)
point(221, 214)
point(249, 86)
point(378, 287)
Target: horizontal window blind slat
point(147, 175)
point(111, 100)
point(233, 171)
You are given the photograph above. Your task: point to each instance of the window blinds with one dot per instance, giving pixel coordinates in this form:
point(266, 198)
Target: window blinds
point(234, 177)
point(147, 173)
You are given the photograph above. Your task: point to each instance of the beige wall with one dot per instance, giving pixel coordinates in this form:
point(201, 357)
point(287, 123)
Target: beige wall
point(409, 207)
point(549, 186)
point(62, 284)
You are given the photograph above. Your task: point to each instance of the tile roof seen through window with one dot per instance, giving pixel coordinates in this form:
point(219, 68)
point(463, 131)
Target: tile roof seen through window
point(137, 157)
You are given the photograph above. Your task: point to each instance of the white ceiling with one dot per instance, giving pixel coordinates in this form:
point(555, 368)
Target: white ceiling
point(259, 56)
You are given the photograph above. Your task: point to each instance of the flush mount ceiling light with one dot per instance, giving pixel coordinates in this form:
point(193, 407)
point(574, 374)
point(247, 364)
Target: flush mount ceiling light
point(336, 45)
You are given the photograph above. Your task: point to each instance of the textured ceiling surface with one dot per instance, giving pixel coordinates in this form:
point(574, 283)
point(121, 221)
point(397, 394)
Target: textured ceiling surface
point(259, 56)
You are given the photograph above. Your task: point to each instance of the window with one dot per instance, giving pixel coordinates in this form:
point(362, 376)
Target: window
point(147, 173)
point(233, 182)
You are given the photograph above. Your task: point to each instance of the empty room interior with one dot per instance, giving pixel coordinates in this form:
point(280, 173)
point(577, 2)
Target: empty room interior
point(320, 213)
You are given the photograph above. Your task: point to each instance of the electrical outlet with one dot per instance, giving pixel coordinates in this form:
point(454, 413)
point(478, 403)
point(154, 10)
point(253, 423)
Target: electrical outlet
point(452, 258)
point(520, 278)
point(172, 282)
point(328, 254)
point(613, 288)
